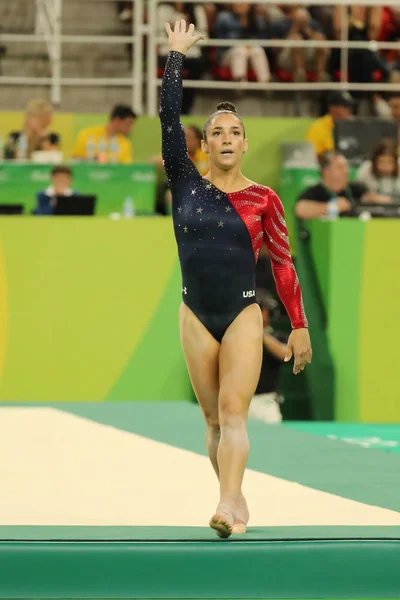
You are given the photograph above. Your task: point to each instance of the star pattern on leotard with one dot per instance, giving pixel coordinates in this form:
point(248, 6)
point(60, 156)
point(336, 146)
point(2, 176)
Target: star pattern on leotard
point(199, 210)
point(253, 221)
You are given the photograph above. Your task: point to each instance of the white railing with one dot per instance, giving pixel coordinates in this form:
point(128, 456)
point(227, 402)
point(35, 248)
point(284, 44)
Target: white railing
point(50, 25)
point(153, 40)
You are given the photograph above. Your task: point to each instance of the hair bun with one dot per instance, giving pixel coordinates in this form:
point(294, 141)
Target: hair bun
point(227, 106)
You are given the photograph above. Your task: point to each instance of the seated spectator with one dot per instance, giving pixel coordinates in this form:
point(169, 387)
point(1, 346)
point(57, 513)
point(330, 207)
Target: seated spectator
point(335, 195)
point(298, 25)
point(195, 62)
point(364, 65)
point(320, 134)
point(390, 109)
point(241, 23)
point(264, 405)
point(193, 137)
point(125, 10)
point(381, 175)
point(35, 135)
point(61, 178)
point(193, 142)
point(108, 143)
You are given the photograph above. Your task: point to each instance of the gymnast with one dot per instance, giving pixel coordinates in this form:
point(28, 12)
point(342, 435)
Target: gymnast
point(220, 222)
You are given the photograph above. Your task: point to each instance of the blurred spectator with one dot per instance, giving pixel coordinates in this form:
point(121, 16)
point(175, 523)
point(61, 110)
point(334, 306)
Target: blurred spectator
point(390, 109)
point(35, 135)
point(195, 62)
point(193, 141)
point(108, 143)
point(335, 195)
point(241, 23)
point(323, 15)
point(264, 405)
point(193, 137)
point(298, 25)
point(381, 175)
point(340, 105)
point(61, 179)
point(364, 65)
point(125, 10)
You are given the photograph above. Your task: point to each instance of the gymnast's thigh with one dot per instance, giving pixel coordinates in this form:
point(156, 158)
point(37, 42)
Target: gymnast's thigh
point(240, 361)
point(201, 352)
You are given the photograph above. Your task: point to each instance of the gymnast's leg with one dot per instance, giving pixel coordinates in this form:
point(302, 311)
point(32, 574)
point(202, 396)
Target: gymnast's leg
point(240, 360)
point(201, 352)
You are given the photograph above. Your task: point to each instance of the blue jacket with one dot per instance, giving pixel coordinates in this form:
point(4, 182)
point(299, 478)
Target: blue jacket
point(43, 201)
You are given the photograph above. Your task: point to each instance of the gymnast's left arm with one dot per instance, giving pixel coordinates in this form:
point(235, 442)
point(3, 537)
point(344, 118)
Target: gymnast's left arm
point(287, 282)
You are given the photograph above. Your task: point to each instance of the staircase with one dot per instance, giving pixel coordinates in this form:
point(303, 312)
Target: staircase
point(78, 60)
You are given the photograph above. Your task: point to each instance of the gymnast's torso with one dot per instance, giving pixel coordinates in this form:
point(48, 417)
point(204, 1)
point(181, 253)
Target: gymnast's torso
point(219, 235)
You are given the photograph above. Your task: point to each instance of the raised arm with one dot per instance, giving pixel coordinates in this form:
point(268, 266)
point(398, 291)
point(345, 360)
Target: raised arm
point(287, 283)
point(174, 150)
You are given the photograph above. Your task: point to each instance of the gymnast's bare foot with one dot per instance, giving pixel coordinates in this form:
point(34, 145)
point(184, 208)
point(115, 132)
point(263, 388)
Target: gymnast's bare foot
point(242, 516)
point(224, 517)
point(223, 524)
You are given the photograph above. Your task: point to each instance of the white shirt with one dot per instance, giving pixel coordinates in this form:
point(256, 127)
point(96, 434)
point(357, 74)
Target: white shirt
point(389, 186)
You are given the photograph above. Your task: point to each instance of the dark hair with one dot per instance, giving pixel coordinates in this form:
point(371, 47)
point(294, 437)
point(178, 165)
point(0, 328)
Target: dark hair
point(223, 107)
point(61, 169)
point(196, 130)
point(122, 111)
point(385, 148)
point(326, 158)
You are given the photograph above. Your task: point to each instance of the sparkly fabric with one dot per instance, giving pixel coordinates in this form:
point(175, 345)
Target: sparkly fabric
point(219, 236)
point(271, 227)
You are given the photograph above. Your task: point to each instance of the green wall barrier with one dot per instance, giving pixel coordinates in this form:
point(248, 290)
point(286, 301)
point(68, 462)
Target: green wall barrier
point(360, 289)
point(89, 310)
point(19, 184)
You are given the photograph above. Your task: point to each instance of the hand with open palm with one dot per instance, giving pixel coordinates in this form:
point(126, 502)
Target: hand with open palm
point(182, 37)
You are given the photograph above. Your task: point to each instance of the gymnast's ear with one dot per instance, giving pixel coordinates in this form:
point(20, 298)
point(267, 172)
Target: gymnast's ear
point(204, 146)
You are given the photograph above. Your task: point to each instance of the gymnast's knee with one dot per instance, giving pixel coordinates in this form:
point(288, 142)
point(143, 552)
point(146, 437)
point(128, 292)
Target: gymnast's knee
point(232, 411)
point(212, 422)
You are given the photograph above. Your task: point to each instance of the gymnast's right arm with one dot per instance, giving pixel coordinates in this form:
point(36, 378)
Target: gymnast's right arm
point(177, 163)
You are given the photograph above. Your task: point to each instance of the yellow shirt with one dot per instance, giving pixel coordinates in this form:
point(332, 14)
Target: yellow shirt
point(321, 134)
point(90, 140)
point(200, 160)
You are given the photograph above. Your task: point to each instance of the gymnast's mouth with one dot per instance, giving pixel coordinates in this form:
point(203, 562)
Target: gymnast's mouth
point(226, 152)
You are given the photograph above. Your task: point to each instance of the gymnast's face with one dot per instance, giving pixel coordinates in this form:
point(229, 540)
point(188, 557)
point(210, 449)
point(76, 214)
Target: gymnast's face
point(225, 142)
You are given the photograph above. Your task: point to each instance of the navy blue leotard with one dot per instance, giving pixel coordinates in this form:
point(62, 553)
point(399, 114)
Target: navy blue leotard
point(220, 235)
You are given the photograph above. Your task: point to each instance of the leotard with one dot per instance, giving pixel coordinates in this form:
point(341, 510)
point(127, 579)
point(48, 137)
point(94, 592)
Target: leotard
point(219, 235)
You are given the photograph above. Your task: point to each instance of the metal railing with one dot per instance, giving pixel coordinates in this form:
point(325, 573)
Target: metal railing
point(153, 82)
point(50, 21)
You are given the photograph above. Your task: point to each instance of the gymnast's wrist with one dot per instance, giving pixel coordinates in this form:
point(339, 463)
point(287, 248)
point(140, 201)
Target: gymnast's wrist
point(176, 49)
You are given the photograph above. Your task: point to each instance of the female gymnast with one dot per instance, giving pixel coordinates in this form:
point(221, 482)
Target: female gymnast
point(220, 222)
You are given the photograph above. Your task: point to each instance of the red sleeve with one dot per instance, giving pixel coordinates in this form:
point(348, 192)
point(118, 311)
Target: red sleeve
point(277, 241)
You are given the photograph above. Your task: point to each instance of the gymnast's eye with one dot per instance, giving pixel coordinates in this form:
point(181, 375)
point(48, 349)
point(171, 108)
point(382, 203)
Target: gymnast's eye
point(216, 133)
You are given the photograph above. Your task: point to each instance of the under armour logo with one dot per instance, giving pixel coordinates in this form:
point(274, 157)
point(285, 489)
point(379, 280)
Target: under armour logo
point(184, 291)
point(249, 294)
